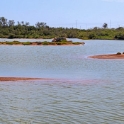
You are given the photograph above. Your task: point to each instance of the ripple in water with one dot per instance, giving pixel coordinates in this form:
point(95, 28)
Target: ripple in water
point(85, 91)
point(61, 102)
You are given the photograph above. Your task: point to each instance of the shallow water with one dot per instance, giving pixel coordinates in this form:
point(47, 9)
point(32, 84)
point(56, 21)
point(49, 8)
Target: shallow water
point(84, 90)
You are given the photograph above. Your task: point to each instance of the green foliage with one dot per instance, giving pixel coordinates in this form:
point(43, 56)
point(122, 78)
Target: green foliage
point(16, 42)
point(52, 43)
point(9, 43)
point(59, 39)
point(9, 29)
point(119, 36)
point(45, 43)
point(11, 36)
point(92, 36)
point(26, 43)
point(12, 42)
point(40, 43)
point(77, 43)
point(59, 43)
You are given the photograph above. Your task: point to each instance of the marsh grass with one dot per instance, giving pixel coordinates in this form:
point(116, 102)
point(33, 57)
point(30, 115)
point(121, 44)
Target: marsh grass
point(63, 42)
point(45, 43)
point(77, 43)
point(26, 43)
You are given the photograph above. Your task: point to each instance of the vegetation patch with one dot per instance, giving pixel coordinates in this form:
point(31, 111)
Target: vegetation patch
point(9, 43)
point(10, 29)
point(52, 43)
point(16, 42)
point(118, 53)
point(61, 41)
point(38, 43)
point(26, 43)
point(77, 43)
point(45, 43)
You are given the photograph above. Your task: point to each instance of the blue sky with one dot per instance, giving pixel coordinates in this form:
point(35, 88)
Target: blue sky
point(65, 13)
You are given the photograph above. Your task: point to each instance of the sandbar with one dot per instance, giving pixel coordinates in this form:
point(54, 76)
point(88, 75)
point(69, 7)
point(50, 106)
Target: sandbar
point(21, 79)
point(108, 56)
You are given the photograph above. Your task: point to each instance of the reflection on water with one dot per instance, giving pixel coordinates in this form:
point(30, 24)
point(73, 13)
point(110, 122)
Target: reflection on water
point(85, 90)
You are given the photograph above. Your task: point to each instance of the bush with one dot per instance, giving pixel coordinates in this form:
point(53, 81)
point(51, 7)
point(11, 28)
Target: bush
point(9, 43)
point(64, 43)
point(26, 43)
point(77, 43)
point(11, 36)
point(58, 43)
point(38, 43)
point(16, 42)
point(52, 43)
point(59, 39)
point(118, 53)
point(45, 43)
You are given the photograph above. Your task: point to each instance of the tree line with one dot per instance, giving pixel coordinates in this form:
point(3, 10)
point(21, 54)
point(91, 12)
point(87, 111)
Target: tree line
point(10, 29)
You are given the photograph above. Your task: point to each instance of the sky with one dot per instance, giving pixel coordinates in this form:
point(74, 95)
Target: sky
point(82, 14)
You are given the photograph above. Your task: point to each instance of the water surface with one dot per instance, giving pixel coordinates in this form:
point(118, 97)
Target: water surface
point(85, 90)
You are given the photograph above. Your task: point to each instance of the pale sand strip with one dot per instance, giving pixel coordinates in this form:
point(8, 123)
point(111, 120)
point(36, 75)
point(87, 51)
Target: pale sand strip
point(21, 79)
point(108, 56)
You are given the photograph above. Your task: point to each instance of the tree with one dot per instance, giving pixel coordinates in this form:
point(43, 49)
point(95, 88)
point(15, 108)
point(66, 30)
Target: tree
point(95, 28)
point(40, 24)
point(27, 23)
point(92, 36)
point(3, 21)
point(11, 23)
point(18, 23)
point(22, 22)
point(105, 25)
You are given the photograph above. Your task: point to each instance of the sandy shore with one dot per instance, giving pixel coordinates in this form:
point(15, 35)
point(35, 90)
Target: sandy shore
point(108, 56)
point(21, 79)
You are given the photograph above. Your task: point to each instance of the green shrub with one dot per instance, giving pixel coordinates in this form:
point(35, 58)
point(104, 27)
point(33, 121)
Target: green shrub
point(77, 43)
point(11, 36)
point(9, 43)
point(69, 41)
point(52, 43)
point(16, 42)
point(26, 43)
point(59, 39)
point(58, 43)
point(64, 43)
point(38, 43)
point(45, 43)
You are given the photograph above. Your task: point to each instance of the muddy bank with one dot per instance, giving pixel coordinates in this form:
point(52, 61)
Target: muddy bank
point(21, 79)
point(108, 56)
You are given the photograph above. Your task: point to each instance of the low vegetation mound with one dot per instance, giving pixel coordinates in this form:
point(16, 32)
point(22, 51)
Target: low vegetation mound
point(118, 55)
point(55, 41)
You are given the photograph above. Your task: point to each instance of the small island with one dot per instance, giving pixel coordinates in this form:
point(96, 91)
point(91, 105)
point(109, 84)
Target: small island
point(109, 56)
point(23, 79)
point(55, 41)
